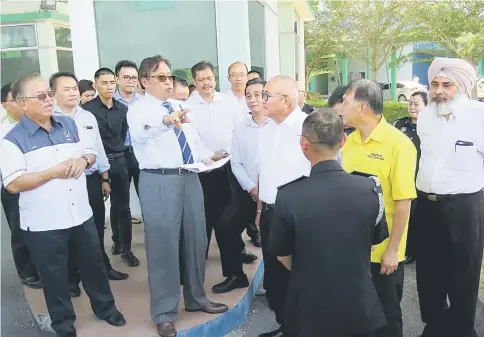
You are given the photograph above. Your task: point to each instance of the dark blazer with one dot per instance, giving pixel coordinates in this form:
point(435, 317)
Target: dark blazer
point(327, 223)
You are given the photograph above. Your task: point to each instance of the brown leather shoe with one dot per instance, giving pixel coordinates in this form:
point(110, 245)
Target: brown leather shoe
point(166, 329)
point(212, 308)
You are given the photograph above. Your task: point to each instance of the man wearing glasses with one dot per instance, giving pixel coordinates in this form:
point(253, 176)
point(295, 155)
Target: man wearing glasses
point(47, 156)
point(238, 79)
point(127, 81)
point(281, 161)
point(111, 119)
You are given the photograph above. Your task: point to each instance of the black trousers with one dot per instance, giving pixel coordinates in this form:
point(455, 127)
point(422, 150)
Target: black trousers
point(21, 254)
point(450, 243)
point(120, 212)
point(411, 249)
point(96, 201)
point(276, 276)
point(230, 226)
point(216, 194)
point(50, 253)
point(133, 167)
point(390, 291)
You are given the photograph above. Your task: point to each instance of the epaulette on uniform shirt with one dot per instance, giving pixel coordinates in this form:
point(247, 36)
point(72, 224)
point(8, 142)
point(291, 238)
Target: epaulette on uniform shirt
point(292, 182)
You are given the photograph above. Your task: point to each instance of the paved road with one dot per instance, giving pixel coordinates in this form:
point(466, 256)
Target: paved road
point(16, 320)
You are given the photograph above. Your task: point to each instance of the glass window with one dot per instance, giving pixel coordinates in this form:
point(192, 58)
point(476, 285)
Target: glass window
point(18, 63)
point(63, 37)
point(18, 36)
point(64, 61)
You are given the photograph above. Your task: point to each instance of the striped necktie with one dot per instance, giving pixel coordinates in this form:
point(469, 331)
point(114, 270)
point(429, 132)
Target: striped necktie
point(182, 140)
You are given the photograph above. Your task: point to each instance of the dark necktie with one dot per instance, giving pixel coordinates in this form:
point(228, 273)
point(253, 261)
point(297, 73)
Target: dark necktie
point(182, 140)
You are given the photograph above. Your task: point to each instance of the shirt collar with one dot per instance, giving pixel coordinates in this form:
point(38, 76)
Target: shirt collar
point(101, 104)
point(217, 96)
point(11, 119)
point(230, 92)
point(58, 110)
point(378, 134)
point(291, 118)
point(118, 97)
point(249, 121)
point(32, 127)
point(326, 166)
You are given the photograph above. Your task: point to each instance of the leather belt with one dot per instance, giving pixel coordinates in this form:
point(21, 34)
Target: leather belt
point(129, 149)
point(436, 197)
point(114, 156)
point(268, 207)
point(169, 171)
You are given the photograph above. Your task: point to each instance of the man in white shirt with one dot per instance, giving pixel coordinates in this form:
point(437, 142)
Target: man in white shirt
point(281, 161)
point(180, 89)
point(47, 156)
point(24, 263)
point(242, 209)
point(238, 79)
point(65, 86)
point(215, 115)
point(171, 197)
point(448, 215)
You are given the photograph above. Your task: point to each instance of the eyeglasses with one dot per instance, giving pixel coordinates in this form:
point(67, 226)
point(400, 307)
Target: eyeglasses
point(239, 75)
point(43, 96)
point(266, 95)
point(130, 78)
point(163, 78)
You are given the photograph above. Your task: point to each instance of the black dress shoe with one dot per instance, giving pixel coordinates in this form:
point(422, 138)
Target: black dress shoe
point(116, 319)
point(74, 290)
point(247, 257)
point(66, 333)
point(115, 249)
point(117, 275)
point(135, 221)
point(31, 282)
point(275, 333)
point(130, 259)
point(231, 283)
point(166, 329)
point(211, 308)
point(256, 240)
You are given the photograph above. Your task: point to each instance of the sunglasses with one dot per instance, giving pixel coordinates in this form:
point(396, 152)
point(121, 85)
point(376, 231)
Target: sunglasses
point(42, 96)
point(163, 78)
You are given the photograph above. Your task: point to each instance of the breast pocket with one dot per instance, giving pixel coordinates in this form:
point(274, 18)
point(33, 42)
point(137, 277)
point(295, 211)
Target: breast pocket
point(463, 154)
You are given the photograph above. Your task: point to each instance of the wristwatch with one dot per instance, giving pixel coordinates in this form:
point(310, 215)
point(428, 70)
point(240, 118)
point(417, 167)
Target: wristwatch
point(89, 164)
point(107, 180)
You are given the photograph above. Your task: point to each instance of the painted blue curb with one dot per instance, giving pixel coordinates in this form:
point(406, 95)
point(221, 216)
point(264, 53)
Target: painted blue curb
point(218, 327)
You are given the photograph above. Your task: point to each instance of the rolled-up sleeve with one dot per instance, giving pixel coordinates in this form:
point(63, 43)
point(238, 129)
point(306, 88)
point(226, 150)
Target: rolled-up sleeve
point(145, 121)
point(15, 166)
point(86, 142)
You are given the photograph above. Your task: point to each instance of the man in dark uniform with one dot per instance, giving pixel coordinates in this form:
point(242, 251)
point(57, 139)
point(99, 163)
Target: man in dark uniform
point(330, 213)
point(408, 125)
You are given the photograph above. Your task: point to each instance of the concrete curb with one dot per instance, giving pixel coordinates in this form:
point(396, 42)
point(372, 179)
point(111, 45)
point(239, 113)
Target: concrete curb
point(218, 327)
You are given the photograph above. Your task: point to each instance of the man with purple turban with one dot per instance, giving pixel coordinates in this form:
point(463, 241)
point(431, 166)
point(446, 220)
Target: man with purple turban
point(449, 187)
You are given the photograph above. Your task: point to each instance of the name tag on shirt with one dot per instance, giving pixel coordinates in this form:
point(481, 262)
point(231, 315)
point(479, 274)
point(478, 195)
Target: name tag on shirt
point(462, 143)
point(88, 127)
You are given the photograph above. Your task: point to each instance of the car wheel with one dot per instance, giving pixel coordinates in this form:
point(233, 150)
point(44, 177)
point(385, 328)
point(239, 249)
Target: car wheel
point(402, 98)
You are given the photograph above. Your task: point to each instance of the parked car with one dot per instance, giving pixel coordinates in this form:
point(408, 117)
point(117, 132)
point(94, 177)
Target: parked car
point(404, 90)
point(480, 88)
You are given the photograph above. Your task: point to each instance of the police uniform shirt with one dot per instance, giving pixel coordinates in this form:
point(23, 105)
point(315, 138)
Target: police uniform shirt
point(390, 156)
point(156, 145)
point(215, 121)
point(452, 150)
point(30, 149)
point(410, 129)
point(86, 121)
point(327, 223)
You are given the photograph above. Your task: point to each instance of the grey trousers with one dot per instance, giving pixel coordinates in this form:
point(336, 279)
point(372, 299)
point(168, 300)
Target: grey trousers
point(174, 220)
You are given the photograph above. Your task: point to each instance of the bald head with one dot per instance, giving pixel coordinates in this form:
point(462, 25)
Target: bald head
point(285, 85)
point(281, 97)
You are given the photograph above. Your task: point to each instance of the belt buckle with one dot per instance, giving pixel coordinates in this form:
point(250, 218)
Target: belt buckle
point(432, 197)
point(181, 171)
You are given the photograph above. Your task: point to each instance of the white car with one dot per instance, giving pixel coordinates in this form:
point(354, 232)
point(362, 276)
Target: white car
point(404, 90)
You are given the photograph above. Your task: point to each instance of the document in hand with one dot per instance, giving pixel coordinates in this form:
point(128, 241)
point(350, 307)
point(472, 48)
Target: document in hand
point(201, 167)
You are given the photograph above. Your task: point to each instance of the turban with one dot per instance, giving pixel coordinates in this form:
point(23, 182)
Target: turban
point(460, 72)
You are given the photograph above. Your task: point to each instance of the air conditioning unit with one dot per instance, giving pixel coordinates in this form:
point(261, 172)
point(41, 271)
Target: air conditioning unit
point(48, 5)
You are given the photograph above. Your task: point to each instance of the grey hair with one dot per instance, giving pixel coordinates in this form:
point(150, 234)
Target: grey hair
point(18, 87)
point(324, 127)
point(369, 92)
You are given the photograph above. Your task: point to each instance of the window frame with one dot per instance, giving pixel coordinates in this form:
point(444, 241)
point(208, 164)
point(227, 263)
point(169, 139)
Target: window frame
point(22, 48)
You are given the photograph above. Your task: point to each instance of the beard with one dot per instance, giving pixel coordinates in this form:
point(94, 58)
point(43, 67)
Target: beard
point(447, 107)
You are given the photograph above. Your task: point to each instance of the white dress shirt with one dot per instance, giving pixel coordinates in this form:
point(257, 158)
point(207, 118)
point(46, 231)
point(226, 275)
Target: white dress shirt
point(59, 203)
point(281, 157)
point(452, 150)
point(244, 110)
point(6, 124)
point(216, 120)
point(155, 144)
point(86, 121)
point(245, 160)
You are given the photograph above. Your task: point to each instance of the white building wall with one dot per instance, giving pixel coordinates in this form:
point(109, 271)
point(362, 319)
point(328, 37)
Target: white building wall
point(287, 47)
point(233, 41)
point(271, 32)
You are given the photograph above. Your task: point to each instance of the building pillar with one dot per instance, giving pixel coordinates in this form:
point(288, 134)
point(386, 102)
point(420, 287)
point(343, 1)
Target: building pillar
point(287, 38)
point(481, 67)
point(344, 70)
point(301, 66)
point(84, 38)
point(271, 32)
point(47, 48)
point(233, 37)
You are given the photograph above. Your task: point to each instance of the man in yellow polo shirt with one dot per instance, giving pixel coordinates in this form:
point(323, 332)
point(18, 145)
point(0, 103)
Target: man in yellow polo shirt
point(377, 148)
